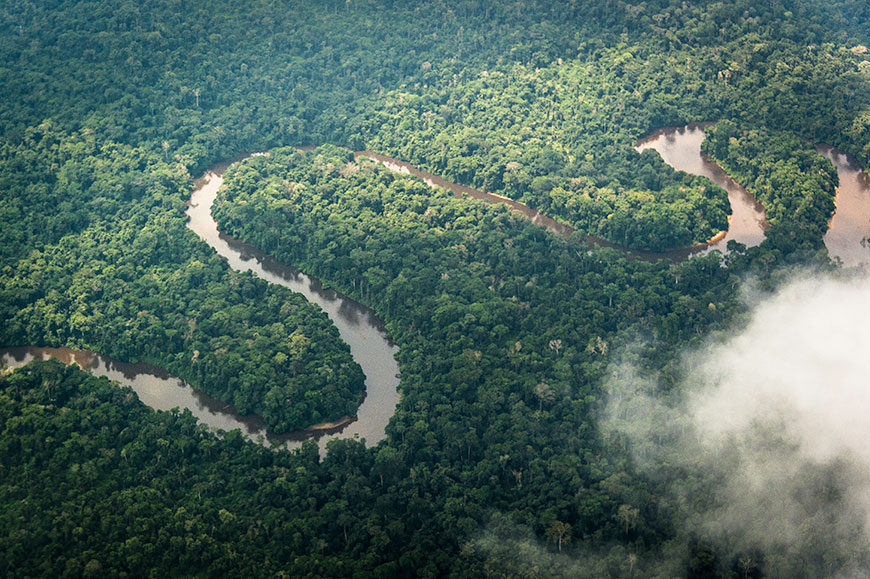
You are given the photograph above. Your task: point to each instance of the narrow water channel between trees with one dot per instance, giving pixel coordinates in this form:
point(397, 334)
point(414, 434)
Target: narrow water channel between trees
point(848, 239)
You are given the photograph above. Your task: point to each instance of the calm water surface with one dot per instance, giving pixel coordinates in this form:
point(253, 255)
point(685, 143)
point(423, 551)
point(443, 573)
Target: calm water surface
point(357, 325)
point(848, 236)
point(680, 147)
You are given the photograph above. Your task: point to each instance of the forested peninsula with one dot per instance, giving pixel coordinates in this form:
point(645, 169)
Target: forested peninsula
point(499, 459)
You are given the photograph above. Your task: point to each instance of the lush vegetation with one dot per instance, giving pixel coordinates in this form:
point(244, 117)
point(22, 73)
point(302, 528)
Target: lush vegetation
point(508, 382)
point(796, 184)
point(558, 134)
point(549, 139)
point(494, 462)
point(99, 257)
point(95, 484)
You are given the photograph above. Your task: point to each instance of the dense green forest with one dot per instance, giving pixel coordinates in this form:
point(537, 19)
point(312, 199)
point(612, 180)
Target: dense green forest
point(795, 184)
point(99, 257)
point(494, 463)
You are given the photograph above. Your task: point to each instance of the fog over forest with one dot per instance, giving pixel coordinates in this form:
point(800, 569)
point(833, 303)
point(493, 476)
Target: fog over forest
point(773, 419)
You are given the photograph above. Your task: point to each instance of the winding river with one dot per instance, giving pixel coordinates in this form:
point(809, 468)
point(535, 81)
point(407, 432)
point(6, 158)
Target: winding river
point(533, 215)
point(680, 147)
point(848, 239)
point(848, 236)
point(358, 326)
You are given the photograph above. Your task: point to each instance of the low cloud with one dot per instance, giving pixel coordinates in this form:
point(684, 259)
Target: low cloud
point(506, 549)
point(764, 447)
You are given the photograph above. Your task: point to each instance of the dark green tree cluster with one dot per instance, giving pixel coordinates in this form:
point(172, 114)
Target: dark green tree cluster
point(214, 80)
point(505, 331)
point(99, 257)
point(559, 135)
point(498, 387)
point(95, 484)
point(555, 139)
point(796, 184)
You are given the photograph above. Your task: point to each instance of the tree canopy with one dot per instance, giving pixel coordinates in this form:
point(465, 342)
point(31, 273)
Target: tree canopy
point(494, 460)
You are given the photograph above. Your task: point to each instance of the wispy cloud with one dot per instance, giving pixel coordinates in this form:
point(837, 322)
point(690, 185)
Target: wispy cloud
point(765, 445)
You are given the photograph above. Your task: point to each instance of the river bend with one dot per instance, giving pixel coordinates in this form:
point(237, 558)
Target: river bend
point(680, 147)
point(848, 236)
point(357, 325)
point(848, 239)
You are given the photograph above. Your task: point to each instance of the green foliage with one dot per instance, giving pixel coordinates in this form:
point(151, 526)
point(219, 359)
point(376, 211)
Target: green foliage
point(796, 185)
point(505, 331)
point(467, 288)
point(111, 266)
point(558, 139)
point(94, 482)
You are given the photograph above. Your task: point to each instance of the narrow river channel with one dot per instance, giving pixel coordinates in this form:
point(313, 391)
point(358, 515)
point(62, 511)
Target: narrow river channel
point(154, 386)
point(680, 147)
point(358, 326)
point(461, 191)
point(848, 239)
